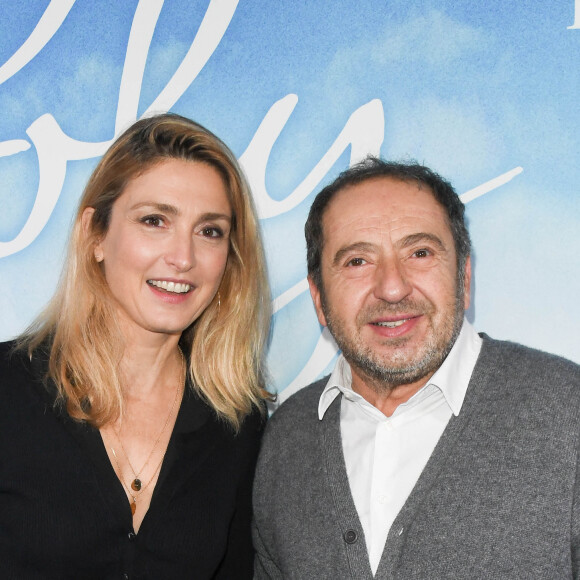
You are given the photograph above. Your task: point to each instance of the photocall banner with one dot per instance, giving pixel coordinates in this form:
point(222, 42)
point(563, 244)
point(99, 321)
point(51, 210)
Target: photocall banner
point(485, 93)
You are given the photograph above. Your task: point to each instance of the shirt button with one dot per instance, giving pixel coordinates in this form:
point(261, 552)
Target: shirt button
point(383, 499)
point(131, 536)
point(125, 576)
point(350, 536)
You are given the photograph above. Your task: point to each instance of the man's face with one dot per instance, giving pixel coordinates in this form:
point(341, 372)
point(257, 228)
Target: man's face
point(390, 293)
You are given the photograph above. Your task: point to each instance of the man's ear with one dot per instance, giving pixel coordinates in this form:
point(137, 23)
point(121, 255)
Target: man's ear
point(86, 224)
point(315, 293)
point(467, 283)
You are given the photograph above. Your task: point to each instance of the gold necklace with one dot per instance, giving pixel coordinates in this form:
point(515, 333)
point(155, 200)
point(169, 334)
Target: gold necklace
point(132, 495)
point(137, 484)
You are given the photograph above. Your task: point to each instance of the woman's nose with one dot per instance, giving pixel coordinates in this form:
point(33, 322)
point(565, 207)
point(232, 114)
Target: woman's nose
point(181, 253)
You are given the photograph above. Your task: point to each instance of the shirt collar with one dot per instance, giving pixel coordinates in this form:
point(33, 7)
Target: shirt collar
point(452, 377)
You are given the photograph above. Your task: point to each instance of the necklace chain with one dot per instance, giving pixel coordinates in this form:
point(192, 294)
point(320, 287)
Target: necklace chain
point(130, 490)
point(137, 486)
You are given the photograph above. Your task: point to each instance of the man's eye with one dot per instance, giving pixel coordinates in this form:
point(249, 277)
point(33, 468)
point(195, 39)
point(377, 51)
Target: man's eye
point(152, 220)
point(421, 253)
point(355, 262)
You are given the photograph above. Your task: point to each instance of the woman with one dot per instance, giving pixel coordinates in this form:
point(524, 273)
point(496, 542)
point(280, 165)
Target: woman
point(131, 411)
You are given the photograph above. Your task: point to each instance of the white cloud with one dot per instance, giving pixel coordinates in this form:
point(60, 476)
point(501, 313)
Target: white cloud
point(17, 103)
point(434, 39)
point(91, 93)
point(452, 135)
point(164, 59)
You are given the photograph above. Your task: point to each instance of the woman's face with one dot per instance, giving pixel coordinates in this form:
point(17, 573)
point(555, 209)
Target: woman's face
point(167, 245)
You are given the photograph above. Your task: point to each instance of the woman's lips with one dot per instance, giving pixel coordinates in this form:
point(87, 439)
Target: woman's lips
point(170, 291)
point(170, 286)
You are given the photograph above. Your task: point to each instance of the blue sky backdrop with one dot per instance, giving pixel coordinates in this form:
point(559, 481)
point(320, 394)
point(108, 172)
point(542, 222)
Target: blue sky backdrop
point(472, 89)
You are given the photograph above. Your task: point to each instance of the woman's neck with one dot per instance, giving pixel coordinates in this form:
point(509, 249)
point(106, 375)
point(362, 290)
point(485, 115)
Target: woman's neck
point(147, 368)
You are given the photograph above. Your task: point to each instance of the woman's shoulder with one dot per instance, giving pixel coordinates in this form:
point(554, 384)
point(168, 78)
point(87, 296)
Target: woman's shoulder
point(7, 347)
point(13, 358)
point(248, 434)
point(254, 422)
point(18, 367)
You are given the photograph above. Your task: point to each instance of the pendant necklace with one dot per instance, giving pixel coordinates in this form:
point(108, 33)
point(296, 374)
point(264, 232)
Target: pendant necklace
point(133, 495)
point(137, 486)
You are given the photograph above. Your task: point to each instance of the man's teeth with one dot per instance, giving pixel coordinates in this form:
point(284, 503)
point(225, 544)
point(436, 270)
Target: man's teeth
point(170, 286)
point(392, 324)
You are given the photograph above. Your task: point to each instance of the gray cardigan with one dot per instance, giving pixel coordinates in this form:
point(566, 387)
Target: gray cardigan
point(499, 497)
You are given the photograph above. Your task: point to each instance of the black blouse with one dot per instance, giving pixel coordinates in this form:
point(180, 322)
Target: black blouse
point(64, 513)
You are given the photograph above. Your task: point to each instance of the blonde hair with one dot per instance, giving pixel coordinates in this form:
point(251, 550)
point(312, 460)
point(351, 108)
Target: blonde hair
point(225, 344)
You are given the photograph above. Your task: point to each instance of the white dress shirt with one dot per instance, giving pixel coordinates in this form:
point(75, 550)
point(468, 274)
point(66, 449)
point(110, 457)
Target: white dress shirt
point(385, 456)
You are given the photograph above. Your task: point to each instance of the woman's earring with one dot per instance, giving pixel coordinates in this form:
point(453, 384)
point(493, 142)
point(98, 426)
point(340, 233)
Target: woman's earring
point(219, 303)
point(98, 255)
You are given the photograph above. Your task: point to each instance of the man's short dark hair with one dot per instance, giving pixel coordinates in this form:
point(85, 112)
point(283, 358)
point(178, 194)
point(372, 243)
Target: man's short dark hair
point(376, 168)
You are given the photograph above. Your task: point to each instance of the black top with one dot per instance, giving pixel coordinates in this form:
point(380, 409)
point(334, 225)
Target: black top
point(65, 514)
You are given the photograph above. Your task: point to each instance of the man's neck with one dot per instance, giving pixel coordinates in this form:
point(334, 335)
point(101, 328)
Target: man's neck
point(385, 398)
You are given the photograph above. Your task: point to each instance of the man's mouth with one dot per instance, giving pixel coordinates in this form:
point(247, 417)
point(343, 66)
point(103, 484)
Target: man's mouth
point(392, 323)
point(174, 287)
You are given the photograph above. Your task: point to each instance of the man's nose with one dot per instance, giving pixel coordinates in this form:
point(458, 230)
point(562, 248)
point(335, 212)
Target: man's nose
point(391, 283)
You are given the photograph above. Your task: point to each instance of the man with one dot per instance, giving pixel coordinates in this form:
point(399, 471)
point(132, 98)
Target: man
point(431, 452)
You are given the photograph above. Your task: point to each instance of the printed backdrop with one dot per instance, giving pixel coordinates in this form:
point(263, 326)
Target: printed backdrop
point(486, 93)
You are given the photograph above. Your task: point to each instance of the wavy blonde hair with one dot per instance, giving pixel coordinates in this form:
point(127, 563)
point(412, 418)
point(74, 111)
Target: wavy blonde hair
point(225, 344)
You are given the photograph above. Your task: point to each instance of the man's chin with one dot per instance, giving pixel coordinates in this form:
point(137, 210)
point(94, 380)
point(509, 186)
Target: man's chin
point(392, 370)
point(392, 377)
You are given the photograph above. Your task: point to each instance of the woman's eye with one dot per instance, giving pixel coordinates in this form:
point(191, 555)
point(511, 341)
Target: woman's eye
point(152, 220)
point(212, 232)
